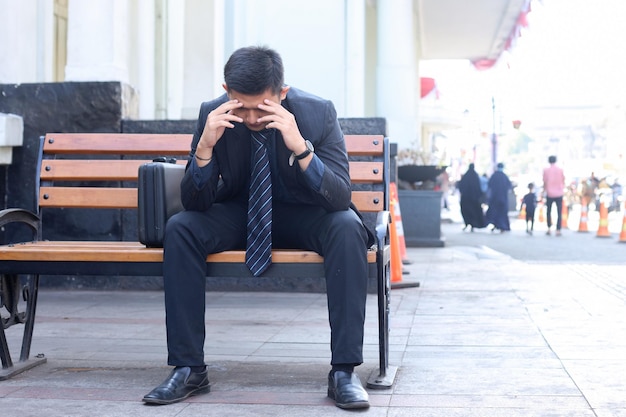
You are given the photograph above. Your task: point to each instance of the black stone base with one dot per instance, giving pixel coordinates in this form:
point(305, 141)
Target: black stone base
point(60, 108)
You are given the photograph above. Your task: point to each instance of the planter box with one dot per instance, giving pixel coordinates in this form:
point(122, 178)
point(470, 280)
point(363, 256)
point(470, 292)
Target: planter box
point(421, 217)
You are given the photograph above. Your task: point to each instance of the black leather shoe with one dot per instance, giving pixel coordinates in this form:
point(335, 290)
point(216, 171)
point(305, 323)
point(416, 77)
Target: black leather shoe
point(346, 389)
point(181, 383)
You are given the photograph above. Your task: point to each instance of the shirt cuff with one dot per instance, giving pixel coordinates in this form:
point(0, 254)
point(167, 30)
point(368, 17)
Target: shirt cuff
point(200, 175)
point(314, 173)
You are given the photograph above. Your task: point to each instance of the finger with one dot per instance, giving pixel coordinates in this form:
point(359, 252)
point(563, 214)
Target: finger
point(221, 123)
point(219, 117)
point(225, 108)
point(229, 105)
point(271, 106)
point(229, 117)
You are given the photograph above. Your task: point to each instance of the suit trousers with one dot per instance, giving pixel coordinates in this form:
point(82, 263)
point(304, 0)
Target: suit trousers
point(190, 236)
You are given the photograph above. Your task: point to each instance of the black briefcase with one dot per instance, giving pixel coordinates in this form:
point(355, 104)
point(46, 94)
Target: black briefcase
point(158, 199)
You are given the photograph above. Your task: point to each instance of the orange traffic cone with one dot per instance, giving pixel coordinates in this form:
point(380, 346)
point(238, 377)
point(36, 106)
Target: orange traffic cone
point(622, 236)
point(603, 227)
point(564, 216)
point(393, 196)
point(396, 258)
point(582, 225)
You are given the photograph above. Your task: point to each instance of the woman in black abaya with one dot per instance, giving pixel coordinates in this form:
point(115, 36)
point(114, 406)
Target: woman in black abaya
point(471, 194)
point(498, 211)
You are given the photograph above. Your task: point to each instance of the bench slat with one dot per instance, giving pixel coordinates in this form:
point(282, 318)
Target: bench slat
point(88, 197)
point(167, 144)
point(92, 170)
point(117, 144)
point(78, 251)
point(368, 201)
point(366, 172)
point(95, 197)
point(364, 145)
point(127, 170)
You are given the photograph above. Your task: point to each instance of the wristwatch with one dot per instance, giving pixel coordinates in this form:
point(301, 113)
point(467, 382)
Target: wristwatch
point(309, 149)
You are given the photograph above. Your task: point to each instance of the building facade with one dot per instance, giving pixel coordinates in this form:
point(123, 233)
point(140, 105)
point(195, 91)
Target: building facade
point(362, 54)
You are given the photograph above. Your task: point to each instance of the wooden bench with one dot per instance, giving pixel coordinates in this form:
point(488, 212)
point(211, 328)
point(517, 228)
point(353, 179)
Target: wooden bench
point(99, 171)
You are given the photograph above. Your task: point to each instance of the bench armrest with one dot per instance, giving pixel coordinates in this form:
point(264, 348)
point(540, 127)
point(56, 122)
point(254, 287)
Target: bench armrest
point(18, 215)
point(383, 220)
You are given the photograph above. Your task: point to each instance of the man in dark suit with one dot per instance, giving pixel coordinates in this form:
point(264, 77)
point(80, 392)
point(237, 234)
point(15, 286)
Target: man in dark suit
point(310, 207)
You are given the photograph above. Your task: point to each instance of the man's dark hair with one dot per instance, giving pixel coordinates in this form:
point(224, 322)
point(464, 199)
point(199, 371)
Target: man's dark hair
point(253, 70)
point(552, 159)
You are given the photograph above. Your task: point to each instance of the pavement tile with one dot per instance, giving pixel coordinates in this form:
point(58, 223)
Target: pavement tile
point(447, 411)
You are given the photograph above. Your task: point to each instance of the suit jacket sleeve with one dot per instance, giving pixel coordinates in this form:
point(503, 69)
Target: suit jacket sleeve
point(194, 198)
point(317, 121)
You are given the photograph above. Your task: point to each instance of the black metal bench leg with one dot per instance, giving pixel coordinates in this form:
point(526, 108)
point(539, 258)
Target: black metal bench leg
point(4, 350)
point(384, 376)
point(10, 293)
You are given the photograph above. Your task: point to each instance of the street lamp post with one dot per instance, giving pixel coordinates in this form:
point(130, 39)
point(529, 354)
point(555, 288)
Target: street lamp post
point(494, 137)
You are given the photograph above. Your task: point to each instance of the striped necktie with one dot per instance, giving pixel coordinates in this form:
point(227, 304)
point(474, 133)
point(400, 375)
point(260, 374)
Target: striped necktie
point(259, 244)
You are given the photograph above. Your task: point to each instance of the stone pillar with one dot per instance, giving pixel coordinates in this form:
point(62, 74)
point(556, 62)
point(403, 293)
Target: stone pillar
point(25, 33)
point(397, 94)
point(97, 41)
point(144, 51)
point(355, 58)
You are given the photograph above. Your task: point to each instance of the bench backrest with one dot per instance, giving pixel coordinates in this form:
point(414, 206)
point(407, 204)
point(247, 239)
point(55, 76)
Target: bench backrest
point(99, 170)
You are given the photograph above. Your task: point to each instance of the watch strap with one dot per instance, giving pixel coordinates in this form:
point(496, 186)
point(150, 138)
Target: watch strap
point(309, 149)
point(303, 154)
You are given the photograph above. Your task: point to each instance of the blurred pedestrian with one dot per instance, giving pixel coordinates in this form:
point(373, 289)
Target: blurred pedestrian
point(498, 211)
point(593, 183)
point(553, 188)
point(443, 185)
point(484, 187)
point(616, 195)
point(529, 203)
point(471, 194)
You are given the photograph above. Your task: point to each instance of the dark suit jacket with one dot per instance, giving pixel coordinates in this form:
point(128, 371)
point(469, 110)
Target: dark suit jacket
point(317, 121)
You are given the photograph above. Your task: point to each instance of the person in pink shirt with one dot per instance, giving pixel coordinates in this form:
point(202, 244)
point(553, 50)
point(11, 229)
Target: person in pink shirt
point(553, 188)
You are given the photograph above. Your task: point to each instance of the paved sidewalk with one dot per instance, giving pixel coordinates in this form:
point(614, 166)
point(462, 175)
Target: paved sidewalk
point(485, 334)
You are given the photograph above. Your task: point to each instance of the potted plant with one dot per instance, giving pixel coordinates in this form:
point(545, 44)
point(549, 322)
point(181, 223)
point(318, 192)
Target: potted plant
point(418, 169)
